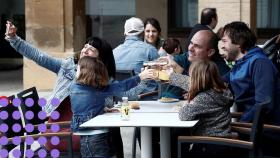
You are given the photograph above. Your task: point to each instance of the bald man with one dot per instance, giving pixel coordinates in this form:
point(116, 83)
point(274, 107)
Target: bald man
point(203, 46)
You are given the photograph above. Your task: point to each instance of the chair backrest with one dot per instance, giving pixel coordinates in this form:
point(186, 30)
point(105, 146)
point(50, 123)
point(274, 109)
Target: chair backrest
point(272, 50)
point(10, 121)
point(257, 127)
point(31, 93)
point(124, 74)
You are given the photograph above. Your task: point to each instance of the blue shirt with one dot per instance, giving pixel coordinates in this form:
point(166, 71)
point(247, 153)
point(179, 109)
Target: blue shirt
point(133, 53)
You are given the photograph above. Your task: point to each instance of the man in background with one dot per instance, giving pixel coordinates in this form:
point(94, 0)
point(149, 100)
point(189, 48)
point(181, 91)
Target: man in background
point(208, 21)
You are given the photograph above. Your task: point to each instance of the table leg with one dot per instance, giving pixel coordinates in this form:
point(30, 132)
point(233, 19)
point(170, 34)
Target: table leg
point(146, 142)
point(165, 142)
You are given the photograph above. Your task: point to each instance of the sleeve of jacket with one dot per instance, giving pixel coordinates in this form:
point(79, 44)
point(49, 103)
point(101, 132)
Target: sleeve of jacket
point(130, 88)
point(30, 52)
point(192, 110)
point(133, 93)
point(179, 80)
point(264, 79)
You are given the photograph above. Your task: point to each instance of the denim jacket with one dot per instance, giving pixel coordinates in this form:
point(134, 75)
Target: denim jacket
point(64, 68)
point(133, 53)
point(88, 102)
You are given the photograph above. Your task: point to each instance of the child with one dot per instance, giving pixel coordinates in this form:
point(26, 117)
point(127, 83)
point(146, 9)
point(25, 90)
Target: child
point(171, 46)
point(208, 99)
point(88, 95)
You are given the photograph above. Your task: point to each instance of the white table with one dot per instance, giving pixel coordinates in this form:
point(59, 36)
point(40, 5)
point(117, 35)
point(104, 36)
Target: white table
point(150, 114)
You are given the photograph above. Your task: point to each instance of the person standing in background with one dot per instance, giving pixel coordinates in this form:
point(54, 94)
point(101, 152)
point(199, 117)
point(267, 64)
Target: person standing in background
point(134, 52)
point(208, 21)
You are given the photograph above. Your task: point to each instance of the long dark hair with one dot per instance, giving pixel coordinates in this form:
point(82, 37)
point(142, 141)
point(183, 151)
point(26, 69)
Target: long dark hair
point(105, 54)
point(240, 34)
point(154, 22)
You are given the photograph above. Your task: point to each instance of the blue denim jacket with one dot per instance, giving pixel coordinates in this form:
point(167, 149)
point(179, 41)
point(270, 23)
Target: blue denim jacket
point(64, 68)
point(88, 102)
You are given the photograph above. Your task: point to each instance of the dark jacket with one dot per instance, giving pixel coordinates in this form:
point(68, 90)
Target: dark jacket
point(253, 79)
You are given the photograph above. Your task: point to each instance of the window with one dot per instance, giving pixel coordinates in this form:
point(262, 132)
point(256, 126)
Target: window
point(182, 16)
point(12, 10)
point(105, 20)
point(268, 19)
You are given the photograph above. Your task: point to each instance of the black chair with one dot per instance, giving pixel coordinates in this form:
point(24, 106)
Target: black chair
point(272, 49)
point(32, 93)
point(124, 74)
point(253, 144)
point(120, 76)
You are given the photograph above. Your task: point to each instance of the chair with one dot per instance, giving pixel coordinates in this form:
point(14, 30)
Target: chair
point(253, 144)
point(120, 76)
point(269, 148)
point(10, 121)
point(272, 49)
point(31, 93)
point(124, 74)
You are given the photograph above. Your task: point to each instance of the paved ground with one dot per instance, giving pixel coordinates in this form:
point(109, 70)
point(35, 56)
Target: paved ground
point(11, 83)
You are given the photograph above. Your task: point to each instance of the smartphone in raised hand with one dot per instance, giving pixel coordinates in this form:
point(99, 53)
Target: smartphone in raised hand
point(10, 29)
point(8, 25)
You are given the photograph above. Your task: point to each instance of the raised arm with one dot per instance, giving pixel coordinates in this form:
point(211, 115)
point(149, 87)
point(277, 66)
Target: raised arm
point(179, 80)
point(29, 51)
point(133, 89)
